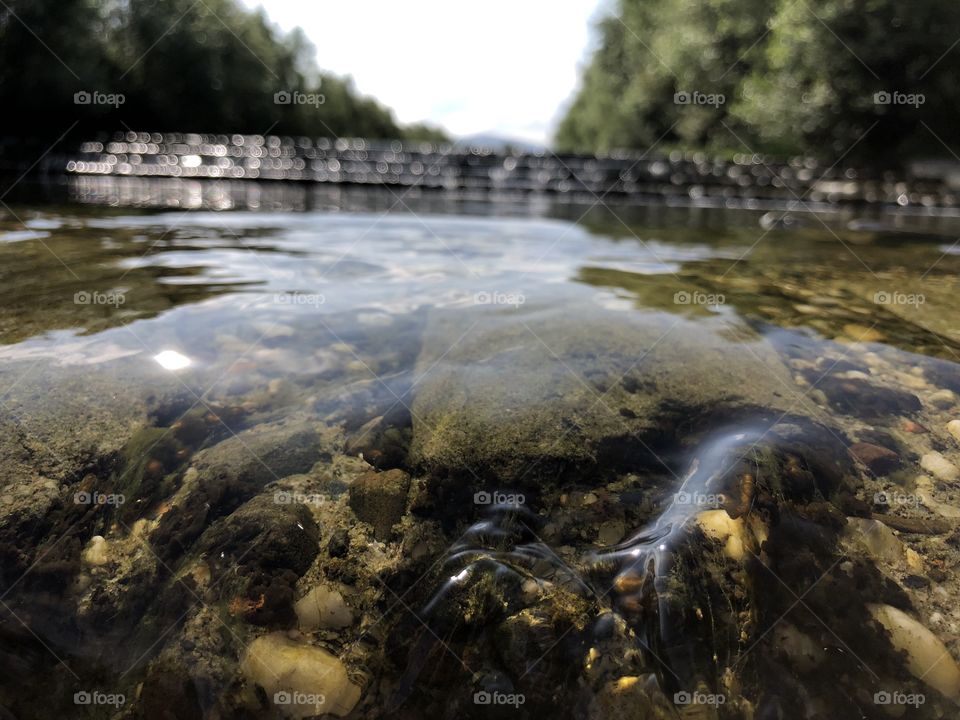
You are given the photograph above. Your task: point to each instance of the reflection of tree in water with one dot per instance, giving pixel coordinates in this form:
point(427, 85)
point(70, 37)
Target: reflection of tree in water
point(81, 277)
point(809, 279)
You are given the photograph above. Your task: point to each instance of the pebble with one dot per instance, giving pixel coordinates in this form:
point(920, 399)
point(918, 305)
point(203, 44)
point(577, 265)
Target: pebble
point(731, 532)
point(913, 427)
point(280, 665)
point(914, 561)
point(953, 427)
point(927, 657)
point(530, 589)
point(878, 539)
point(322, 608)
point(943, 399)
point(97, 551)
point(879, 459)
point(611, 532)
point(912, 381)
point(804, 652)
point(941, 468)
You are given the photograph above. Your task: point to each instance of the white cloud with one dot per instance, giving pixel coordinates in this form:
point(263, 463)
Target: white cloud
point(504, 66)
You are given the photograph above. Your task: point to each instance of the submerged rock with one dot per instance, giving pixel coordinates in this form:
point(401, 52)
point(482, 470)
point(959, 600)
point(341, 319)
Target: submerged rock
point(322, 607)
point(299, 680)
point(927, 657)
point(571, 391)
point(380, 499)
point(266, 547)
point(264, 453)
point(953, 427)
point(941, 468)
point(97, 551)
point(879, 459)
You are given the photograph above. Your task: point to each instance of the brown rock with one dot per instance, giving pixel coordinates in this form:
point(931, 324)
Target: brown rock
point(380, 498)
point(913, 427)
point(920, 526)
point(878, 459)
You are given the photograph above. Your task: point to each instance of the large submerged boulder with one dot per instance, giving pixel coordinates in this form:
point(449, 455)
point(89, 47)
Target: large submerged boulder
point(515, 398)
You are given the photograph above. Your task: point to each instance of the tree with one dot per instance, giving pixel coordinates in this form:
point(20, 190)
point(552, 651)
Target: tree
point(796, 76)
point(178, 65)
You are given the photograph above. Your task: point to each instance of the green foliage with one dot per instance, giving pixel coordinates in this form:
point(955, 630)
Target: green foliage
point(796, 76)
point(180, 65)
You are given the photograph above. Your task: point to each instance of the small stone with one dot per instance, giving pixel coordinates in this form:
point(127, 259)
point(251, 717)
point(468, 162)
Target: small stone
point(322, 608)
point(611, 532)
point(916, 582)
point(913, 427)
point(878, 459)
point(941, 468)
point(953, 427)
point(97, 551)
point(943, 399)
point(868, 400)
point(718, 525)
point(530, 589)
point(339, 543)
point(916, 525)
point(380, 498)
point(804, 652)
point(927, 657)
point(914, 561)
point(878, 539)
point(288, 669)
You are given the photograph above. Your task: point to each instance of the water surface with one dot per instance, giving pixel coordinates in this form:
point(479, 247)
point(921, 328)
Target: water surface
point(574, 459)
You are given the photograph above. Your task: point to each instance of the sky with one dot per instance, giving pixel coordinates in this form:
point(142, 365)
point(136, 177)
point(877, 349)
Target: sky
point(498, 66)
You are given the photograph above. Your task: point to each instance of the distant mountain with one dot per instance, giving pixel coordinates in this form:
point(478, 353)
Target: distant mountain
point(499, 143)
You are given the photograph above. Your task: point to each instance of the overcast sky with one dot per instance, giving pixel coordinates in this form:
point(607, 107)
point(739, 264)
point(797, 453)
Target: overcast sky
point(501, 66)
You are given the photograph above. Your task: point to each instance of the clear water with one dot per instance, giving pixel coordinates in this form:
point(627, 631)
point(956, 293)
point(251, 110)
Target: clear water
point(603, 366)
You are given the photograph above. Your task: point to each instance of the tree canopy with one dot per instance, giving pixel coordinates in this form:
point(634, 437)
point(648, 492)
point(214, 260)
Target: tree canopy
point(872, 80)
point(171, 65)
